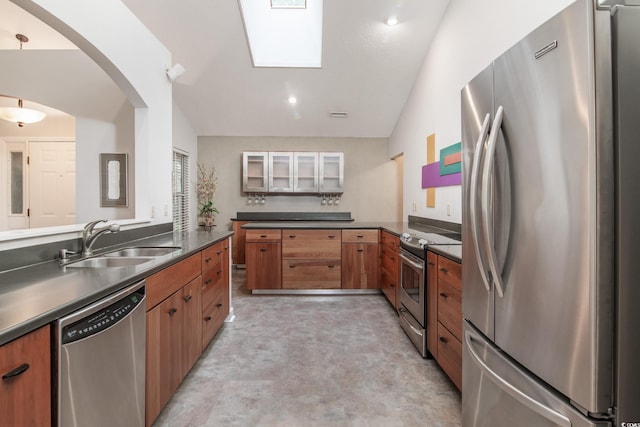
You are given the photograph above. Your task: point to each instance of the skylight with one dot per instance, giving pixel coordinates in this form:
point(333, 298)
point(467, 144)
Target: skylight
point(284, 33)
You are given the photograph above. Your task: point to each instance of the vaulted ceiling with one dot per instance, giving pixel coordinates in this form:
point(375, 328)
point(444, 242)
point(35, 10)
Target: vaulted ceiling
point(368, 68)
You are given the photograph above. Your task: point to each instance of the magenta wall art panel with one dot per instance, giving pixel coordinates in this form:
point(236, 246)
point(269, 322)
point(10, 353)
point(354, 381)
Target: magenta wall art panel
point(445, 172)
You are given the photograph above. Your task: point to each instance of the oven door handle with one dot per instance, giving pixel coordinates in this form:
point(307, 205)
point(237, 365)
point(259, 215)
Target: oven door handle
point(413, 263)
point(413, 328)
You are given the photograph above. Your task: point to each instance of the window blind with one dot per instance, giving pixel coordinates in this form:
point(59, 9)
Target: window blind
point(180, 191)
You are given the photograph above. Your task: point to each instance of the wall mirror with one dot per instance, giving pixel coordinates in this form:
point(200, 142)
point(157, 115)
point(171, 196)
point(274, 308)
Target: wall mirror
point(86, 114)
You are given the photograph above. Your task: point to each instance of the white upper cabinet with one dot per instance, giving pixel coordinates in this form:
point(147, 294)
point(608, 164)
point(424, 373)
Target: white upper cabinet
point(280, 172)
point(255, 168)
point(331, 173)
point(292, 172)
point(305, 172)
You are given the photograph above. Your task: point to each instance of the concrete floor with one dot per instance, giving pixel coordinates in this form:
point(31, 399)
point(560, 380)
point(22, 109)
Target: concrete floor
point(312, 361)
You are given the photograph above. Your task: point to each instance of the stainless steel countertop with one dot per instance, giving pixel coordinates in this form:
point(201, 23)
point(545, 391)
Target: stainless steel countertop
point(34, 296)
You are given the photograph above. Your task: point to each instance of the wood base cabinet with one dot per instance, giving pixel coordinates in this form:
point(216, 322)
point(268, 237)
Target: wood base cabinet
point(446, 279)
point(389, 267)
point(25, 387)
point(311, 259)
point(360, 259)
point(264, 265)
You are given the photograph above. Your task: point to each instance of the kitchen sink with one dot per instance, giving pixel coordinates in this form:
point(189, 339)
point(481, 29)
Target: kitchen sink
point(142, 251)
point(109, 262)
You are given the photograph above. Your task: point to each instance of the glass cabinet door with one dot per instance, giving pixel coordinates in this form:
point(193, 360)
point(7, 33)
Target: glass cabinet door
point(305, 172)
point(255, 172)
point(331, 172)
point(280, 172)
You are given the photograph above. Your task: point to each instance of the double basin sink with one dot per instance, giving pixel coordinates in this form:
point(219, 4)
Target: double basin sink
point(126, 257)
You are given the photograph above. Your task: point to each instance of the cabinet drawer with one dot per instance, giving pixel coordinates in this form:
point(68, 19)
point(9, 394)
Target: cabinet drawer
point(263, 235)
point(450, 271)
point(212, 255)
point(360, 236)
point(311, 274)
point(389, 261)
point(212, 284)
point(323, 244)
point(166, 282)
point(390, 240)
point(450, 308)
point(213, 316)
point(450, 355)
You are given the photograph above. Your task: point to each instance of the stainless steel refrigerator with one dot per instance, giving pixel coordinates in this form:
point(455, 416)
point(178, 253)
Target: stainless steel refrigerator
point(551, 225)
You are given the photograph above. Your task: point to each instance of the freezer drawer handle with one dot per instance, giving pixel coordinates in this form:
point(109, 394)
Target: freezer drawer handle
point(15, 372)
point(510, 389)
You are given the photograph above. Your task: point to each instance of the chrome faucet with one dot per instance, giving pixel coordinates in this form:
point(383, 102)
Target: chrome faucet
point(90, 234)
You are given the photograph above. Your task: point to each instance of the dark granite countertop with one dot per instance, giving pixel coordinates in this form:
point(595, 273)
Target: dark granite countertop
point(34, 296)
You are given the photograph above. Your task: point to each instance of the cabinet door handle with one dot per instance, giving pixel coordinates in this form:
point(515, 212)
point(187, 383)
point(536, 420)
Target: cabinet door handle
point(331, 236)
point(207, 281)
point(188, 298)
point(331, 266)
point(292, 236)
point(218, 272)
point(15, 372)
point(292, 266)
point(206, 319)
point(263, 249)
point(218, 252)
point(218, 305)
point(207, 259)
point(392, 285)
point(444, 340)
point(172, 311)
point(360, 250)
point(443, 295)
point(431, 263)
point(444, 270)
point(263, 236)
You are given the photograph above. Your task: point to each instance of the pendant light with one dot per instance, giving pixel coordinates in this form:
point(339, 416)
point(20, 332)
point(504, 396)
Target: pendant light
point(19, 114)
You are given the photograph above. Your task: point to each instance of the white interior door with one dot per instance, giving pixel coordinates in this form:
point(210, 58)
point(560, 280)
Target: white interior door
point(52, 183)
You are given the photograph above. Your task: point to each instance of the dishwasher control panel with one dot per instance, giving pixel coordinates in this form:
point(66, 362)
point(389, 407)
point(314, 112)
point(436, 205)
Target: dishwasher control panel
point(102, 319)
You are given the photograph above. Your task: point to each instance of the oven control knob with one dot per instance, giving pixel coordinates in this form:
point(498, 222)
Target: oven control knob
point(406, 237)
point(422, 243)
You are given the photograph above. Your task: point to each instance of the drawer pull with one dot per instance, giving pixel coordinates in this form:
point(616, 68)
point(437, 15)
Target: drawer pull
point(263, 236)
point(443, 295)
point(218, 252)
point(331, 236)
point(173, 311)
point(207, 281)
point(207, 259)
point(188, 298)
point(392, 285)
point(444, 270)
point(331, 266)
point(218, 272)
point(292, 266)
point(444, 340)
point(206, 319)
point(431, 263)
point(263, 249)
point(219, 305)
point(15, 372)
point(360, 236)
point(292, 236)
point(360, 250)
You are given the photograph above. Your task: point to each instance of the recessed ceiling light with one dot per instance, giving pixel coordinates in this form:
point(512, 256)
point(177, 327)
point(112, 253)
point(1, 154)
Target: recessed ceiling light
point(288, 4)
point(392, 20)
point(292, 100)
point(338, 114)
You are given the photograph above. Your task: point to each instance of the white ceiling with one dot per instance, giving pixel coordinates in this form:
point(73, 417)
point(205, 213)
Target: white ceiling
point(368, 68)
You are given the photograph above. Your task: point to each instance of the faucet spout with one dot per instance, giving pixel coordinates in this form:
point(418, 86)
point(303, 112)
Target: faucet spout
point(90, 234)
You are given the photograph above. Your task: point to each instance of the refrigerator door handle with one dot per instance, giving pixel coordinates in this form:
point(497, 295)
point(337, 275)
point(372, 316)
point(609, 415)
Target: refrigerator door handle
point(473, 196)
point(486, 201)
point(513, 391)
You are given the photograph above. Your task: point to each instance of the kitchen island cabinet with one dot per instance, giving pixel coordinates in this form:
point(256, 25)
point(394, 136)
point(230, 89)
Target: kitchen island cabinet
point(360, 259)
point(25, 388)
point(311, 259)
point(264, 259)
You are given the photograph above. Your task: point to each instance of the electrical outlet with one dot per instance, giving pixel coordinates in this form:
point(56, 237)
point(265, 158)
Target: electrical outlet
point(448, 209)
point(414, 207)
point(153, 212)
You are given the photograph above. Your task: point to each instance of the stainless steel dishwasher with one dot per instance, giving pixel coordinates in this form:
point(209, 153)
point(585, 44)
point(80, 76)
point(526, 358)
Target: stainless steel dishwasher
point(101, 362)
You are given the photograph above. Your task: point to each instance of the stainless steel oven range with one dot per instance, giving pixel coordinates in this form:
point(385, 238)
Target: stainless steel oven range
point(412, 311)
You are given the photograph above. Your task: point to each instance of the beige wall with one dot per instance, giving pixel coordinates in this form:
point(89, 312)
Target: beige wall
point(370, 186)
